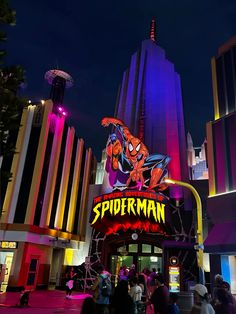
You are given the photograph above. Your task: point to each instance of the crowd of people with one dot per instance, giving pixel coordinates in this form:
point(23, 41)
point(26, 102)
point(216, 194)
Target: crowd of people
point(135, 291)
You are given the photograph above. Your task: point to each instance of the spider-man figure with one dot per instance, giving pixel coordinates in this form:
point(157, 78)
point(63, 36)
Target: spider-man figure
point(134, 157)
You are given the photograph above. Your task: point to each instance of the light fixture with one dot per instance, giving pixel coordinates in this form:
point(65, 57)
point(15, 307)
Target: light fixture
point(134, 236)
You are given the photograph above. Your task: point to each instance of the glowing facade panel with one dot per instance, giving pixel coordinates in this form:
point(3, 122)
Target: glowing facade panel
point(58, 123)
point(75, 184)
point(38, 167)
point(14, 168)
point(151, 85)
point(23, 145)
point(84, 194)
point(64, 179)
point(211, 163)
point(214, 86)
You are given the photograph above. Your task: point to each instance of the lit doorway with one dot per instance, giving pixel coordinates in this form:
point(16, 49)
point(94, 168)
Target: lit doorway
point(149, 262)
point(5, 269)
point(56, 267)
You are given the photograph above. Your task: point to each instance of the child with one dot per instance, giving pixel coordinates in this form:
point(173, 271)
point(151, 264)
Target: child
point(173, 307)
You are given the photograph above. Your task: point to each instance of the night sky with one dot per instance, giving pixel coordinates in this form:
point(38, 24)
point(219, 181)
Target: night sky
point(93, 41)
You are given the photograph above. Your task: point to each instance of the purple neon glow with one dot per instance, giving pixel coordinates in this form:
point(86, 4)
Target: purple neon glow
point(60, 109)
point(153, 83)
point(64, 113)
point(218, 129)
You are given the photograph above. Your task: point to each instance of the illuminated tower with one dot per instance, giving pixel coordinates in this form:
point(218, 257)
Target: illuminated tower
point(59, 80)
point(153, 30)
point(150, 103)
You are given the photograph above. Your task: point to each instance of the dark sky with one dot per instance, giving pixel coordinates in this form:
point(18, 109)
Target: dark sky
point(94, 40)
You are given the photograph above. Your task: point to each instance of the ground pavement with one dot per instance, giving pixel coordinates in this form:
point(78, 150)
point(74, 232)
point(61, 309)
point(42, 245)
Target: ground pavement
point(44, 302)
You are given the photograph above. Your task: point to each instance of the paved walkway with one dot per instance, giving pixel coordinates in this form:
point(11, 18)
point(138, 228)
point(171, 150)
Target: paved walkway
point(46, 302)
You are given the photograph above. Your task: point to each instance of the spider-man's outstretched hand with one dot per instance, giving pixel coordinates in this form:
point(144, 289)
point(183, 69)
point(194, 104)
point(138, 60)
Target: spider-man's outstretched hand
point(107, 121)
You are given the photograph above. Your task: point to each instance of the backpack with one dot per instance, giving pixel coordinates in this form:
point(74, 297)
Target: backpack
point(105, 287)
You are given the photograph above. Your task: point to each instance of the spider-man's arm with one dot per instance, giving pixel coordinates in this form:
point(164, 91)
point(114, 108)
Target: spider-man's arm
point(119, 124)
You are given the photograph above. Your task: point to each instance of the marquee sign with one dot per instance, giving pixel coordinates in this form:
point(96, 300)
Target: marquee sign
point(129, 210)
point(8, 245)
point(135, 179)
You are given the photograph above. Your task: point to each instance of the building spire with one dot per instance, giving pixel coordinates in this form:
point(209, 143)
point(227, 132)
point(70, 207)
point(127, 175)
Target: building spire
point(153, 30)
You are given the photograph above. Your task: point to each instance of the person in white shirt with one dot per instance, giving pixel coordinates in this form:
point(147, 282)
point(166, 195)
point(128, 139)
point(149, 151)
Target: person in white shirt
point(135, 292)
point(201, 303)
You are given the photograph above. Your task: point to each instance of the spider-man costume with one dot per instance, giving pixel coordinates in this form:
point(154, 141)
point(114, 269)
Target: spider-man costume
point(133, 156)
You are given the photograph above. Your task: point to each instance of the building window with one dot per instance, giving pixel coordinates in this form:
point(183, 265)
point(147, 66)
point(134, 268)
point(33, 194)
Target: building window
point(133, 248)
point(146, 248)
point(157, 250)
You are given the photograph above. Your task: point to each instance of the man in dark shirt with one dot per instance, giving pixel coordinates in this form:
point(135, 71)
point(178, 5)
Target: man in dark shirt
point(160, 297)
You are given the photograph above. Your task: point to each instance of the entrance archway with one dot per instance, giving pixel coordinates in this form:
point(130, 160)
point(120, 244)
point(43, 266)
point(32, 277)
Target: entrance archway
point(145, 252)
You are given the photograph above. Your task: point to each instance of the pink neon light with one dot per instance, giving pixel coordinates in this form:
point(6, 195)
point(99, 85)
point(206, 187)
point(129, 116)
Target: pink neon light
point(60, 109)
point(64, 113)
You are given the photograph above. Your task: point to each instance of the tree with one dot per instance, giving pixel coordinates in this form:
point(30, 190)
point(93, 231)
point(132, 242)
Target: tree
point(10, 104)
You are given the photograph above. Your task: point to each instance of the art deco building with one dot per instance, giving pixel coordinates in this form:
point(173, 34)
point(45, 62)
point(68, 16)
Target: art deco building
point(44, 217)
point(150, 103)
point(221, 241)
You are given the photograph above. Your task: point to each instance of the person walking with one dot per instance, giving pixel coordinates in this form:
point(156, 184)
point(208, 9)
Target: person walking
point(88, 306)
point(132, 272)
point(201, 301)
point(218, 280)
point(135, 293)
point(152, 284)
point(224, 304)
point(102, 290)
point(123, 273)
point(173, 307)
point(70, 277)
point(122, 301)
point(160, 297)
point(226, 286)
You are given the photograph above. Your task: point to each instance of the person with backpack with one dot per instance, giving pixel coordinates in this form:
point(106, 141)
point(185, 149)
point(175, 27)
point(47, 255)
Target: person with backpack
point(102, 290)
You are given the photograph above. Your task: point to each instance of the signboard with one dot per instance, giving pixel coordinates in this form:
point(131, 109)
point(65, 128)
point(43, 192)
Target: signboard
point(129, 210)
point(8, 245)
point(135, 179)
point(174, 278)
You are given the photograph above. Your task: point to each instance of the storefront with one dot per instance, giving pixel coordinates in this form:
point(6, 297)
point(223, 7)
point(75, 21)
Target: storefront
point(221, 240)
point(7, 251)
point(37, 260)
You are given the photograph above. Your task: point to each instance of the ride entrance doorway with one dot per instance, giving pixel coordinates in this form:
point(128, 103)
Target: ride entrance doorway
point(141, 255)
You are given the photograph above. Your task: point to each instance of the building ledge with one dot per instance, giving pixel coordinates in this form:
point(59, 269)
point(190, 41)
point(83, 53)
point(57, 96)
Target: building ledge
point(39, 230)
